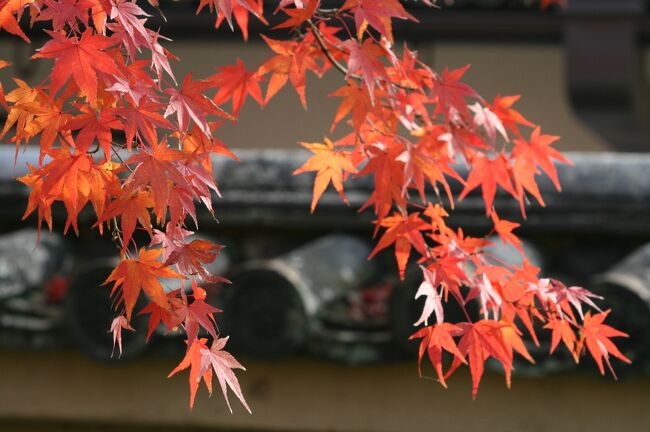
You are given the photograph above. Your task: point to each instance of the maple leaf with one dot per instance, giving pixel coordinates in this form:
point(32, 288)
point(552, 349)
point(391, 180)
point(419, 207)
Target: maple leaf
point(132, 207)
point(290, 64)
point(156, 169)
point(235, 83)
point(405, 233)
point(194, 360)
point(435, 340)
point(73, 179)
point(142, 121)
point(437, 214)
point(299, 15)
point(141, 274)
point(596, 336)
point(575, 295)
point(93, 126)
point(524, 170)
point(199, 313)
point(419, 166)
point(160, 56)
point(48, 120)
point(356, 100)
point(540, 150)
point(223, 363)
point(190, 102)
point(64, 12)
point(485, 118)
point(487, 294)
point(127, 12)
point(433, 301)
point(504, 229)
point(19, 115)
point(171, 239)
point(197, 169)
point(170, 318)
point(502, 107)
point(82, 58)
point(117, 325)
point(192, 257)
point(562, 331)
point(450, 93)
point(388, 172)
point(488, 173)
point(376, 14)
point(240, 8)
point(8, 21)
point(449, 272)
point(137, 84)
point(481, 340)
point(330, 166)
point(511, 338)
point(365, 59)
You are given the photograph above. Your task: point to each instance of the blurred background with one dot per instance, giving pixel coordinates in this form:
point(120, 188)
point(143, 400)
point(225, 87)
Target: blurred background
point(322, 331)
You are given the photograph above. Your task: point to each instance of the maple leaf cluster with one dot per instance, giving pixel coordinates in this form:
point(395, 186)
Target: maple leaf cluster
point(119, 134)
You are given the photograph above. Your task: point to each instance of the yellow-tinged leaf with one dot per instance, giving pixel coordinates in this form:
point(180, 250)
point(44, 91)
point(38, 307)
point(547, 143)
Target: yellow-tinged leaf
point(330, 166)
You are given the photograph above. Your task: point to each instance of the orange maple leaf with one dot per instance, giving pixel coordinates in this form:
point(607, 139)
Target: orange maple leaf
point(193, 360)
point(330, 166)
point(141, 274)
point(8, 21)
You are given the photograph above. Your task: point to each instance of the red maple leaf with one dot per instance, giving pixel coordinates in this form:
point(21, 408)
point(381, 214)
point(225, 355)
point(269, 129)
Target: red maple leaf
point(539, 149)
point(480, 341)
point(405, 233)
point(95, 126)
point(192, 257)
point(142, 121)
point(450, 93)
point(502, 107)
point(132, 207)
point(298, 16)
point(235, 83)
point(596, 336)
point(190, 102)
point(504, 229)
point(157, 170)
point(198, 313)
point(376, 14)
point(488, 174)
point(562, 331)
point(82, 58)
point(169, 317)
point(365, 60)
point(240, 8)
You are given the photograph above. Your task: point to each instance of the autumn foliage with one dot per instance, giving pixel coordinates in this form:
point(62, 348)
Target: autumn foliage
point(121, 134)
